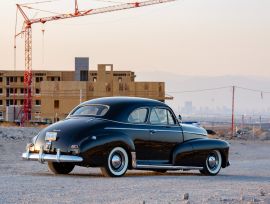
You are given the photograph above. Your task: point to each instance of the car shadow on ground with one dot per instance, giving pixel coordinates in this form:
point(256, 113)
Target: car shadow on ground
point(141, 174)
point(128, 174)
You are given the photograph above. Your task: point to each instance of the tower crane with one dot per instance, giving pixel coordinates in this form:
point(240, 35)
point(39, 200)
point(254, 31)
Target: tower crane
point(27, 31)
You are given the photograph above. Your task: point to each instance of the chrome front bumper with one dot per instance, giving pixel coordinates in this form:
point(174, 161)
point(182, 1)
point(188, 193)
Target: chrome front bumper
point(41, 157)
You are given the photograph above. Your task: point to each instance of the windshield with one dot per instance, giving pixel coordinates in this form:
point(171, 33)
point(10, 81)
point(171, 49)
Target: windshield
point(90, 110)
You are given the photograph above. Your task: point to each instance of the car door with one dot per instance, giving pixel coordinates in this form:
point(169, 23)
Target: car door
point(137, 129)
point(165, 134)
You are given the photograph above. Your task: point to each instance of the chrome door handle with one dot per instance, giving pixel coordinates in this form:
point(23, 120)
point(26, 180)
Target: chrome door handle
point(152, 132)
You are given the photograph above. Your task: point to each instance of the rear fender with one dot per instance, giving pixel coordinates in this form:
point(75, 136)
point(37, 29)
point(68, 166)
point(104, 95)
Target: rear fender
point(94, 149)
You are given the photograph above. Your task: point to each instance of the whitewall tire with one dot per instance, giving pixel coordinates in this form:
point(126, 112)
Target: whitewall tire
point(117, 163)
point(212, 164)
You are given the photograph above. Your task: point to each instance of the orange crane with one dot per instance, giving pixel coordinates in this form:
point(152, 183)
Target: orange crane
point(27, 31)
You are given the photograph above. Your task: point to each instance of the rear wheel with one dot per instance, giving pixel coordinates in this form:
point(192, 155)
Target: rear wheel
point(60, 168)
point(212, 163)
point(116, 164)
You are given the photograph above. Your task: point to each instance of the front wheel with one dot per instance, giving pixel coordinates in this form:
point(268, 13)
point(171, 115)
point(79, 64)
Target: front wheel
point(60, 168)
point(212, 163)
point(116, 164)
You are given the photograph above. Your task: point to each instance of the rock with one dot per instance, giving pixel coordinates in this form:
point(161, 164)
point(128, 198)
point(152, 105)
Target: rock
point(262, 192)
point(186, 196)
point(224, 200)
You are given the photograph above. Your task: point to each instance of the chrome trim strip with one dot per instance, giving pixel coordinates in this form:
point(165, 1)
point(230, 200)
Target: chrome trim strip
point(195, 133)
point(139, 123)
point(147, 166)
point(152, 126)
point(116, 128)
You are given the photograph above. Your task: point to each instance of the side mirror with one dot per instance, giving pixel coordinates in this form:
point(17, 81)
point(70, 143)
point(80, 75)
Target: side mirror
point(180, 118)
point(210, 132)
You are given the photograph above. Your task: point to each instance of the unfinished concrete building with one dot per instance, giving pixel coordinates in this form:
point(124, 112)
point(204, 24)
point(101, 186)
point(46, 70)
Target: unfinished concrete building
point(56, 93)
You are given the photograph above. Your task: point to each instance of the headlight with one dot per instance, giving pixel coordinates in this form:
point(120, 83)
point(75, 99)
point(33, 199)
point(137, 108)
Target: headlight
point(30, 147)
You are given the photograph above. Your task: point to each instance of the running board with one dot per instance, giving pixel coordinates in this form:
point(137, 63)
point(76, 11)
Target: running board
point(168, 167)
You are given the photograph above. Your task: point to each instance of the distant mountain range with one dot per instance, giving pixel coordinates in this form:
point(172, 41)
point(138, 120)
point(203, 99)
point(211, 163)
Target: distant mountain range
point(245, 100)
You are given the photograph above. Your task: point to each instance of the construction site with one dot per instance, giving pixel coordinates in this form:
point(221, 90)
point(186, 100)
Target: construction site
point(55, 93)
point(48, 96)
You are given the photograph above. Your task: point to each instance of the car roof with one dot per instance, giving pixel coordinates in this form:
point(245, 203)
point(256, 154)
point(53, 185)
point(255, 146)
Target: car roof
point(118, 100)
point(121, 107)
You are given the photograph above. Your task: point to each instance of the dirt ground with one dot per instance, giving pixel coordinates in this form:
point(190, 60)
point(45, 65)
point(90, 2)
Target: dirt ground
point(247, 180)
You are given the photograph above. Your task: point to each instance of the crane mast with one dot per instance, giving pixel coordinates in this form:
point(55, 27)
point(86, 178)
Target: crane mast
point(27, 30)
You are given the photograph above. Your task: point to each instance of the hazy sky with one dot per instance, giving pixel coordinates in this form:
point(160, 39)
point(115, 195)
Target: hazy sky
point(187, 37)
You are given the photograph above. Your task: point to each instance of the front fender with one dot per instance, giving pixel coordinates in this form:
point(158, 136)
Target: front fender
point(194, 152)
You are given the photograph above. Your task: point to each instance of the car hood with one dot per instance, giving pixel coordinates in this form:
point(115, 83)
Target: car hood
point(70, 131)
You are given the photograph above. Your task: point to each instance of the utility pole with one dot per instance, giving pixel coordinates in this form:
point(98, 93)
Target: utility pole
point(242, 124)
point(260, 122)
point(233, 92)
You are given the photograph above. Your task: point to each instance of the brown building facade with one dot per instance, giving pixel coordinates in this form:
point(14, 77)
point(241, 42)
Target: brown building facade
point(56, 93)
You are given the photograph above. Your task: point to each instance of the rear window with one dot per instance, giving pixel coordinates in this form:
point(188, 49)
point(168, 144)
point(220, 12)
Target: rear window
point(90, 110)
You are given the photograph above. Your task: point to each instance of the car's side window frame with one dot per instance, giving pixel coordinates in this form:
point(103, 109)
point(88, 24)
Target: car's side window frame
point(173, 117)
point(146, 118)
point(176, 124)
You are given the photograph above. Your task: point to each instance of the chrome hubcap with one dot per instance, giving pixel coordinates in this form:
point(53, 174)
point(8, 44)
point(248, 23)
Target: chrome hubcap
point(116, 161)
point(212, 161)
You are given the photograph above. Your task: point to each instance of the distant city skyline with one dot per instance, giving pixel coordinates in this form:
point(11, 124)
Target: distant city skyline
point(218, 110)
point(246, 101)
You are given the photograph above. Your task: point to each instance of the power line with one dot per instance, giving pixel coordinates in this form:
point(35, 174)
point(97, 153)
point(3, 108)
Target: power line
point(199, 90)
point(254, 90)
point(218, 88)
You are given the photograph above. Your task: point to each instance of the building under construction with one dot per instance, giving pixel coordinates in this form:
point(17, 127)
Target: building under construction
point(56, 93)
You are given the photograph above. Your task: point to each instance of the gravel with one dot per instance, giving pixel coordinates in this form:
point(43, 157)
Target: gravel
point(247, 180)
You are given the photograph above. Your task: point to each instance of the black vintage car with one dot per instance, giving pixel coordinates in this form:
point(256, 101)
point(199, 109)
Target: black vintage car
point(121, 133)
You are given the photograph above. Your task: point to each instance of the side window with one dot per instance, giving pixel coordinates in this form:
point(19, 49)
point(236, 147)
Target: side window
point(158, 116)
point(161, 116)
point(138, 116)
